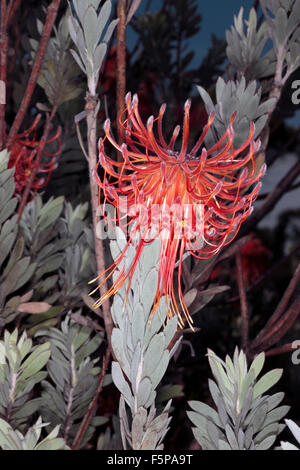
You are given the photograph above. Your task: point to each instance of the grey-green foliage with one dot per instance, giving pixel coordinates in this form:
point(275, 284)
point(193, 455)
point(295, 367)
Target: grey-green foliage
point(39, 226)
point(79, 261)
point(11, 439)
point(295, 430)
point(244, 418)
point(15, 268)
point(140, 344)
point(46, 257)
point(58, 71)
point(245, 47)
point(283, 19)
point(86, 28)
point(21, 366)
point(111, 439)
point(239, 97)
point(59, 240)
point(74, 377)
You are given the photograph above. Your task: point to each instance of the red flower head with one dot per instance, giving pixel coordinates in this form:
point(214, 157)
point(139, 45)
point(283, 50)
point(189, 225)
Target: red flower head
point(25, 157)
point(254, 260)
point(194, 199)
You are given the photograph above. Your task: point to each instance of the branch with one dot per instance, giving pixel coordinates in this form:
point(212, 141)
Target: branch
point(90, 108)
point(271, 199)
point(271, 327)
point(243, 300)
point(262, 279)
point(278, 330)
point(286, 297)
point(3, 69)
point(121, 63)
point(281, 349)
point(12, 8)
point(51, 16)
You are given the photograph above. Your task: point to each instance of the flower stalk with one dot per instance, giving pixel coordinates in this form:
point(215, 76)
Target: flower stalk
point(51, 16)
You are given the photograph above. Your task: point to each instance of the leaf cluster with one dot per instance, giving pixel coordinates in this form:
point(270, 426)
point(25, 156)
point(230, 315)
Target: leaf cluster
point(140, 342)
point(86, 28)
point(245, 47)
point(59, 73)
point(74, 375)
point(21, 366)
point(245, 418)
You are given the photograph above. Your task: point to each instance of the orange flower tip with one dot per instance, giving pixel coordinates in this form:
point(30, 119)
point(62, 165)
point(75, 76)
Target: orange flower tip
point(258, 187)
point(258, 145)
point(107, 125)
point(177, 130)
point(93, 292)
point(244, 174)
point(128, 97)
point(264, 169)
point(162, 108)
point(135, 99)
point(187, 104)
point(150, 123)
point(101, 160)
point(96, 305)
point(203, 155)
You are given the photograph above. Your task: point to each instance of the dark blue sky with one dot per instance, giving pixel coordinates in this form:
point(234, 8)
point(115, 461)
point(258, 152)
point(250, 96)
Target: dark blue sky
point(217, 16)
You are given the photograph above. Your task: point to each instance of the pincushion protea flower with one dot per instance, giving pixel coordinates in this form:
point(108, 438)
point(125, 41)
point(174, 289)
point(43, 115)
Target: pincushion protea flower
point(203, 194)
point(25, 158)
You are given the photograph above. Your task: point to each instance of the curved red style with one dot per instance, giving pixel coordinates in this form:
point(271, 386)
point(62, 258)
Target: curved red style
point(195, 198)
point(25, 158)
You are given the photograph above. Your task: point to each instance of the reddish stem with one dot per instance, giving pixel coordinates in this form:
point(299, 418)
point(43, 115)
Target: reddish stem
point(12, 8)
point(243, 300)
point(3, 69)
point(121, 63)
point(281, 349)
point(272, 199)
point(278, 330)
point(51, 16)
point(90, 108)
point(269, 327)
point(286, 297)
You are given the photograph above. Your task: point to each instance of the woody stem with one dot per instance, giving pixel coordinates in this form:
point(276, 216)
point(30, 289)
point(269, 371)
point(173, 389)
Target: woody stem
point(51, 16)
point(3, 69)
point(121, 62)
point(90, 108)
point(243, 300)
